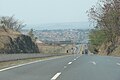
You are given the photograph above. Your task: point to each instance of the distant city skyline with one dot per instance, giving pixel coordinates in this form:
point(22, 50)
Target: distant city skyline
point(74, 35)
point(38, 12)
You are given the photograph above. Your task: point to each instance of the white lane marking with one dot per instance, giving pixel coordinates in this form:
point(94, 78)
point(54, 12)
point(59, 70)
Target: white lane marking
point(70, 63)
point(65, 66)
point(56, 76)
point(20, 65)
point(77, 57)
point(93, 62)
point(74, 59)
point(118, 64)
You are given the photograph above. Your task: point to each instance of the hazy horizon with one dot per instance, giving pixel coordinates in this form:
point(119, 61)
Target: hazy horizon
point(56, 26)
point(37, 12)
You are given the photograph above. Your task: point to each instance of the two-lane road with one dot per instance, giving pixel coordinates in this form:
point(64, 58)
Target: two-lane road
point(92, 68)
point(72, 67)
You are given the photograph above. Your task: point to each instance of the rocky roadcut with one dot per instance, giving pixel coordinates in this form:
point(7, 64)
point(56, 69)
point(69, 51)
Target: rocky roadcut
point(16, 43)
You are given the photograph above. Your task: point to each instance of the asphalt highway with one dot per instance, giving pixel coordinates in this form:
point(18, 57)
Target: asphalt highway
point(71, 67)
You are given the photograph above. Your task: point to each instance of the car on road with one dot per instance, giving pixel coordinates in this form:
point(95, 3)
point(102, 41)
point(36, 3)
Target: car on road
point(85, 51)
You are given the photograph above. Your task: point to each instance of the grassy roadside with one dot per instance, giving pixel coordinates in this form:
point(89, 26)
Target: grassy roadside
point(44, 49)
point(17, 62)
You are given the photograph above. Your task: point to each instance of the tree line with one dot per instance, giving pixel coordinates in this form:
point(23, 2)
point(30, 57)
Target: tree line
point(106, 17)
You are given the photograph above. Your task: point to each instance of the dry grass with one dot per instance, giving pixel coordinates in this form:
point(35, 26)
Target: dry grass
point(116, 52)
point(17, 62)
point(54, 48)
point(8, 32)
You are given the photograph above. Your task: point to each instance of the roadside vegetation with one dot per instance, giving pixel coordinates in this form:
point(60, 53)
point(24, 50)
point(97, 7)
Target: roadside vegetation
point(11, 23)
point(105, 15)
point(97, 37)
point(6, 64)
point(12, 40)
point(32, 35)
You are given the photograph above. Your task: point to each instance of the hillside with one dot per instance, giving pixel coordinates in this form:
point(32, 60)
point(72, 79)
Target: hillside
point(15, 42)
point(114, 50)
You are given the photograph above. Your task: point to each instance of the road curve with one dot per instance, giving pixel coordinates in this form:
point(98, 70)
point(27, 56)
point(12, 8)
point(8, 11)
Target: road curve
point(73, 67)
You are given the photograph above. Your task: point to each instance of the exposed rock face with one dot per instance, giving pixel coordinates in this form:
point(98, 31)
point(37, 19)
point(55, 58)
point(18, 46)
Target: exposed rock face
point(17, 44)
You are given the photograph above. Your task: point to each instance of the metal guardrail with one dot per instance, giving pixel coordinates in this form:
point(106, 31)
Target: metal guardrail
point(10, 57)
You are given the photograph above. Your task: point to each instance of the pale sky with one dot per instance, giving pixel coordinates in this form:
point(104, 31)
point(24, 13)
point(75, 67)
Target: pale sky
point(46, 11)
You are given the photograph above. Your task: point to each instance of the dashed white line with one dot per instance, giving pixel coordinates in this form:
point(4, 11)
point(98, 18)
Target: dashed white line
point(93, 62)
point(118, 64)
point(56, 76)
point(70, 63)
point(74, 59)
point(65, 66)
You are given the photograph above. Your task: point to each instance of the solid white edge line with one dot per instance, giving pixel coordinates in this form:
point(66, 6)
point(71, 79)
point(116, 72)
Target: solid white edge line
point(70, 63)
point(56, 76)
point(20, 65)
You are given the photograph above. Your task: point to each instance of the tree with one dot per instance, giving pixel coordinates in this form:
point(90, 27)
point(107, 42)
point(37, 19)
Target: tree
point(30, 33)
point(107, 17)
point(7, 22)
point(97, 37)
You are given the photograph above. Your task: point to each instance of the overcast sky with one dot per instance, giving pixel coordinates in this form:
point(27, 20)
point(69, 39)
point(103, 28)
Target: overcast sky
point(46, 11)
